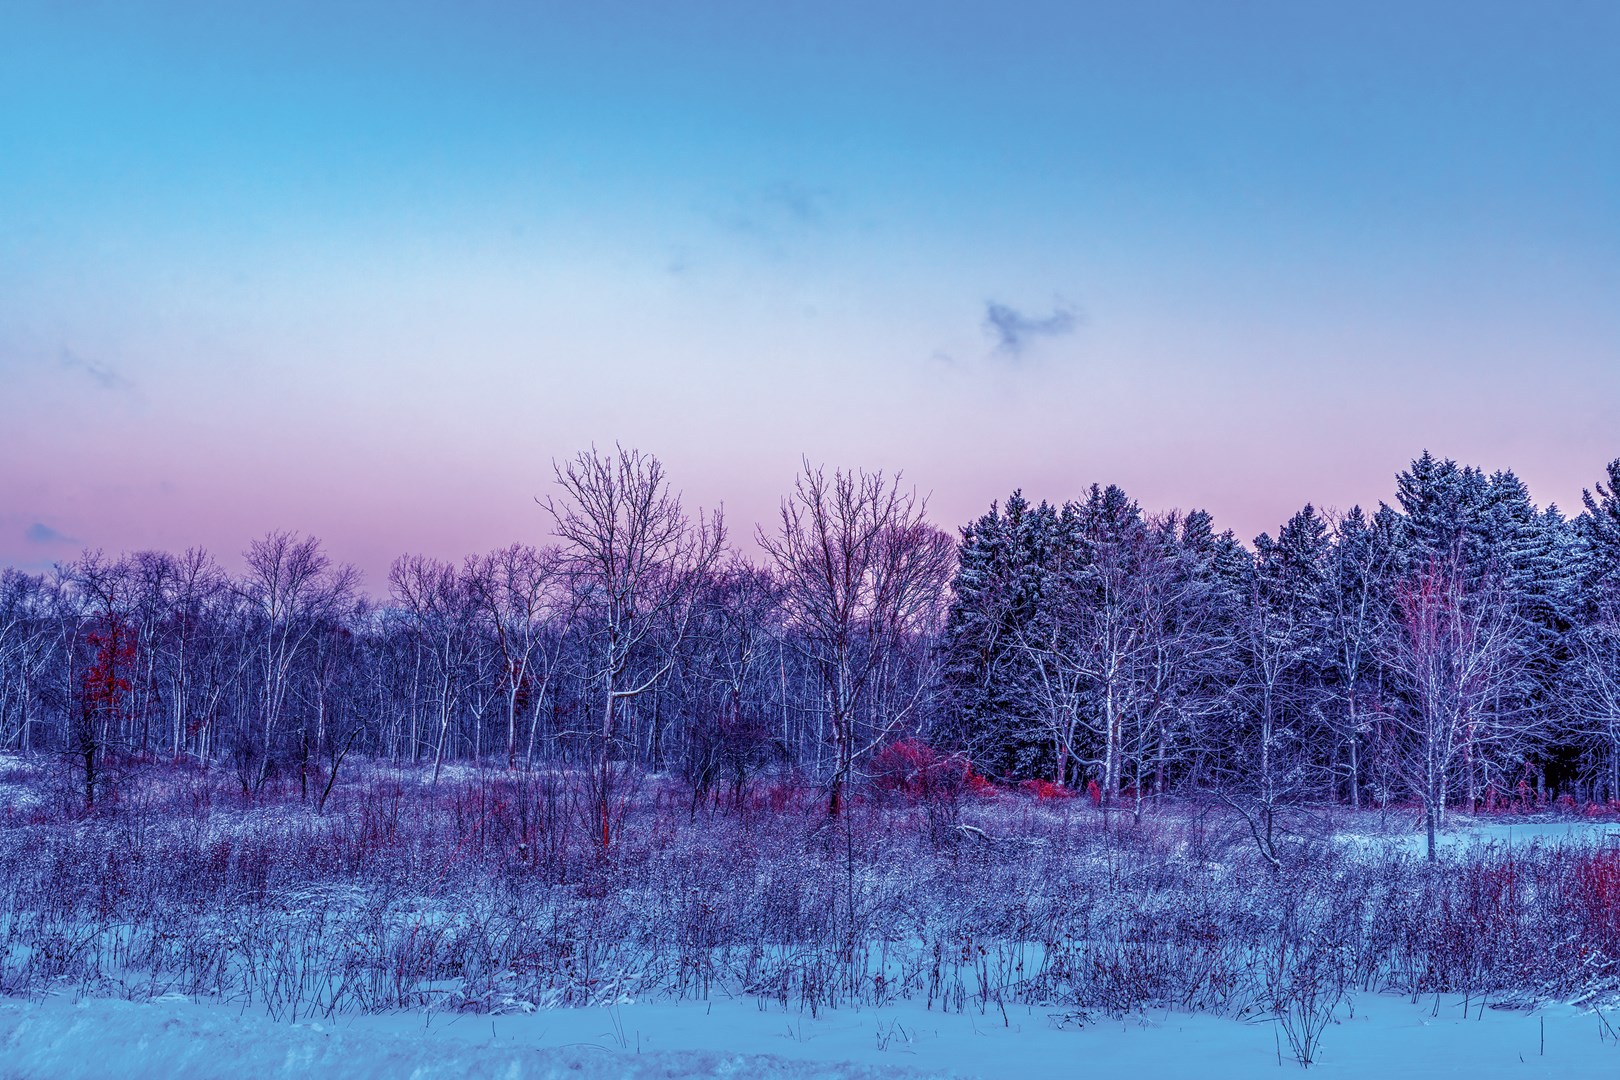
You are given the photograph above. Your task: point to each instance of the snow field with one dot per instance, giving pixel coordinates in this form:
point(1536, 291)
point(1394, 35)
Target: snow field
point(1385, 1036)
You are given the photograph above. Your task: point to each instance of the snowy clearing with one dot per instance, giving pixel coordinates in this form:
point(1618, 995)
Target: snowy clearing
point(1386, 1036)
point(1484, 832)
point(413, 931)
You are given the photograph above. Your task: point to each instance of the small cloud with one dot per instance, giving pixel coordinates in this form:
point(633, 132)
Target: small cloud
point(107, 376)
point(41, 533)
point(808, 206)
point(1014, 330)
point(773, 214)
point(679, 264)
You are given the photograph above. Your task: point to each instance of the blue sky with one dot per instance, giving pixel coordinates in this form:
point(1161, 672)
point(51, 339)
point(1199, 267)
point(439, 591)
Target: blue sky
point(364, 272)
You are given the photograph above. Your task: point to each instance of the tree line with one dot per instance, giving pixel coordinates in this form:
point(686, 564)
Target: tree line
point(1458, 647)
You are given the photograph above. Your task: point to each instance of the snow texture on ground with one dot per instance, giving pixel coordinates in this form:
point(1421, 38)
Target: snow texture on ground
point(1386, 1037)
point(17, 783)
point(1467, 834)
point(175, 1038)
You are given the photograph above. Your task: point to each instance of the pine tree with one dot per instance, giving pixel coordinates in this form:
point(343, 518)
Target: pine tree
point(1000, 565)
point(1590, 680)
point(1597, 550)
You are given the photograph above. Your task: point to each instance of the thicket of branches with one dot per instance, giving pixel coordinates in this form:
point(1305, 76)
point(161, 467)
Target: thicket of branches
point(1456, 648)
point(488, 891)
point(1459, 647)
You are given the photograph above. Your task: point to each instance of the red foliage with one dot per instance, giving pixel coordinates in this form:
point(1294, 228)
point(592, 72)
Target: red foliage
point(782, 796)
point(105, 683)
point(1597, 896)
point(912, 768)
point(1045, 790)
point(979, 785)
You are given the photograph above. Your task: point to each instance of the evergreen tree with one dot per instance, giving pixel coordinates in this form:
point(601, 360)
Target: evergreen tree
point(1591, 677)
point(1596, 536)
point(1002, 560)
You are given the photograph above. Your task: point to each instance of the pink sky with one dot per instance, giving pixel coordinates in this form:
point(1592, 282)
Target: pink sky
point(368, 282)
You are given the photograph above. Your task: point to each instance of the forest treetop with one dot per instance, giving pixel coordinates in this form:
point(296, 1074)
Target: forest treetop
point(1456, 646)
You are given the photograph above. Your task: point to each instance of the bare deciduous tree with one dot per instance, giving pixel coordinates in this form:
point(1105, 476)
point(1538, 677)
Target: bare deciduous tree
point(523, 590)
point(638, 560)
point(1594, 692)
point(291, 586)
point(106, 589)
point(24, 634)
point(440, 603)
point(862, 569)
point(1454, 648)
point(1361, 558)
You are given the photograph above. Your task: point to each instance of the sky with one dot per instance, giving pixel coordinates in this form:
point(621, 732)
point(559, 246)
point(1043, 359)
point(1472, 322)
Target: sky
point(364, 271)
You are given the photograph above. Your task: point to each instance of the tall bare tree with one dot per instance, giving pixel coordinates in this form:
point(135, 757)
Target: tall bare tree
point(1359, 566)
point(638, 561)
point(291, 586)
point(1266, 744)
point(862, 570)
point(523, 591)
point(191, 586)
point(1593, 690)
point(441, 605)
point(25, 627)
point(106, 593)
point(727, 731)
point(1454, 649)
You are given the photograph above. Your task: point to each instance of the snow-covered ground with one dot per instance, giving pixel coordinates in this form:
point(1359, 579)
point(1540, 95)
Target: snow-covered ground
point(1375, 1034)
point(1526, 832)
point(1384, 1037)
point(1466, 833)
point(18, 783)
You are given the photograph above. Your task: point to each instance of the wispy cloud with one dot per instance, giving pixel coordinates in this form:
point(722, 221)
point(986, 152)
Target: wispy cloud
point(41, 533)
point(1014, 330)
point(108, 377)
point(774, 214)
point(805, 205)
